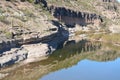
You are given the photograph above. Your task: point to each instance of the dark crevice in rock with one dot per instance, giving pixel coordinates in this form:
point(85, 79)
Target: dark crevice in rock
point(111, 7)
point(41, 1)
point(109, 0)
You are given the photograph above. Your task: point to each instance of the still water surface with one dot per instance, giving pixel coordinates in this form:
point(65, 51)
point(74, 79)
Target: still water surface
point(88, 70)
point(101, 63)
point(85, 60)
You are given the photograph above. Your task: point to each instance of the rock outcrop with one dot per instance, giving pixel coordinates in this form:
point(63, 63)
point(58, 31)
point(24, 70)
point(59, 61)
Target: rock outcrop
point(24, 39)
point(71, 17)
point(31, 52)
point(37, 47)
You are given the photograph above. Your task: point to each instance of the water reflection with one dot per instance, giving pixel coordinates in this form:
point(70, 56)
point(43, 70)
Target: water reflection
point(72, 59)
point(88, 70)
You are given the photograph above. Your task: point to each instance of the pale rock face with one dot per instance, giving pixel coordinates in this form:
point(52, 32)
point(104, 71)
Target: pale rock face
point(78, 27)
point(27, 53)
point(35, 51)
point(3, 75)
point(114, 28)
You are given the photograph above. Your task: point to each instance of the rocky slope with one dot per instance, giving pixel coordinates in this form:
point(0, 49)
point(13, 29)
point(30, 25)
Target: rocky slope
point(30, 29)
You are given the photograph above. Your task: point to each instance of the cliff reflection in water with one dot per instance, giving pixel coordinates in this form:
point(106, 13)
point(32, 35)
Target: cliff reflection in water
point(68, 56)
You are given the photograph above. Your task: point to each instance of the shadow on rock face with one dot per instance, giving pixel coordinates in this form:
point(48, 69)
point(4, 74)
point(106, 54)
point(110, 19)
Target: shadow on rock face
point(71, 17)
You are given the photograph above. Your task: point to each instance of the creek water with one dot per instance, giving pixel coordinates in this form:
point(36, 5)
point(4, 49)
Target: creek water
point(84, 60)
point(103, 64)
point(88, 70)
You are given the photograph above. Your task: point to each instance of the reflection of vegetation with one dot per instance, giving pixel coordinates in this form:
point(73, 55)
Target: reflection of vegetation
point(106, 53)
point(84, 32)
point(64, 58)
point(106, 37)
point(82, 46)
point(105, 56)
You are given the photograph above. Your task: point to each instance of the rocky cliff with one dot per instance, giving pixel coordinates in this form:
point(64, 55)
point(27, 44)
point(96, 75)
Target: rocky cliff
point(71, 17)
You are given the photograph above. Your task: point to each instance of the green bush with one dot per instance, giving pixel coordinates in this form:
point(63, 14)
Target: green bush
point(114, 38)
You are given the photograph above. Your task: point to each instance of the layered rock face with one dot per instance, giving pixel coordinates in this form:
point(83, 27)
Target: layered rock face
point(25, 25)
point(33, 47)
point(32, 52)
point(110, 4)
point(71, 17)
